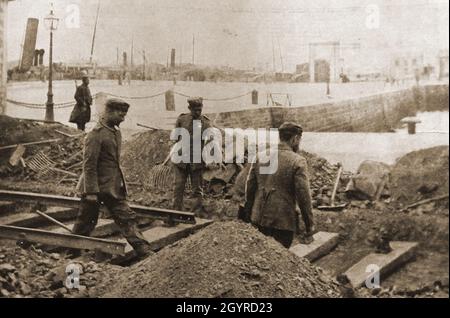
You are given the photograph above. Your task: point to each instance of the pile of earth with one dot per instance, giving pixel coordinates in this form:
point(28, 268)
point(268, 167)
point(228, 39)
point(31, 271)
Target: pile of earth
point(34, 273)
point(420, 175)
point(14, 130)
point(65, 153)
point(226, 259)
point(144, 151)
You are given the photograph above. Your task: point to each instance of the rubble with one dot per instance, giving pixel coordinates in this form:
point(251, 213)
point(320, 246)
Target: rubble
point(409, 184)
point(34, 273)
point(226, 259)
point(439, 289)
point(65, 152)
point(369, 181)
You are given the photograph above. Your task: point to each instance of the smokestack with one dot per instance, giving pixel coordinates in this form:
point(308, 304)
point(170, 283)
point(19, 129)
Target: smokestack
point(41, 57)
point(172, 58)
point(125, 59)
point(29, 44)
point(36, 57)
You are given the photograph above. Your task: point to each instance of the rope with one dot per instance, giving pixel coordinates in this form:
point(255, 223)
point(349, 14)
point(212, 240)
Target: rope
point(216, 99)
point(136, 97)
point(72, 104)
point(40, 106)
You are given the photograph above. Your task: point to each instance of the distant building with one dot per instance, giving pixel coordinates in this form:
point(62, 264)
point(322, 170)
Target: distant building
point(283, 77)
point(443, 64)
point(321, 72)
point(405, 66)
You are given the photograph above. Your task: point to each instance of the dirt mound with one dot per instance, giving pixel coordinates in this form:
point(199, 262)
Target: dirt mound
point(144, 151)
point(14, 131)
point(420, 175)
point(227, 259)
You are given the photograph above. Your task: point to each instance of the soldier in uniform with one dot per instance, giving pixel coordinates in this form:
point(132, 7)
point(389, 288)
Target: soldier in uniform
point(103, 181)
point(191, 169)
point(81, 113)
point(270, 199)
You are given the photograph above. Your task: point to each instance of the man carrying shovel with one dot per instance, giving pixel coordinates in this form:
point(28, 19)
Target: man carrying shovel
point(192, 169)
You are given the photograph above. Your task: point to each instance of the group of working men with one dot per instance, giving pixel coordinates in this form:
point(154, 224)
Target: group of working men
point(270, 202)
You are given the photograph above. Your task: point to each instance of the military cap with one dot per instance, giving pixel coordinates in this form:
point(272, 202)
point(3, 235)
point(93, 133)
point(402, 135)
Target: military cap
point(290, 128)
point(195, 101)
point(117, 104)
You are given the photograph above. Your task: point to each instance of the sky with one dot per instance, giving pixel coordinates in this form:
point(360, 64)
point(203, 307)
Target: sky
point(270, 34)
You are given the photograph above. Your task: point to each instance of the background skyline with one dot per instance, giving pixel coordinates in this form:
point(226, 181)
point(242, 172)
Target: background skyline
point(242, 34)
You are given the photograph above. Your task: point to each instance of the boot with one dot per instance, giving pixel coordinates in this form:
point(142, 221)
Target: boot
point(143, 251)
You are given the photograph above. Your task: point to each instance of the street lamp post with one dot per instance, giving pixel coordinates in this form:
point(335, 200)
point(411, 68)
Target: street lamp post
point(51, 22)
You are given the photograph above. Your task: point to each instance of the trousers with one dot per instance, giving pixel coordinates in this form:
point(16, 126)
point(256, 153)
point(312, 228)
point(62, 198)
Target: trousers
point(284, 237)
point(123, 216)
point(181, 175)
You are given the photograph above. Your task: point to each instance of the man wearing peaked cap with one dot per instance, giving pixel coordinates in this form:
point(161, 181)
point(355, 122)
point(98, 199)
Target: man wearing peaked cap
point(195, 102)
point(102, 180)
point(292, 129)
point(117, 104)
point(183, 170)
point(270, 199)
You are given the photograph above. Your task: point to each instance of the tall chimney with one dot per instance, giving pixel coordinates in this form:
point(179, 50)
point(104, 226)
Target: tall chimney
point(29, 44)
point(172, 58)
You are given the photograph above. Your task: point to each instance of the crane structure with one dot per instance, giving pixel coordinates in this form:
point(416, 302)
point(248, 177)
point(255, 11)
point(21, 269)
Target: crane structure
point(337, 48)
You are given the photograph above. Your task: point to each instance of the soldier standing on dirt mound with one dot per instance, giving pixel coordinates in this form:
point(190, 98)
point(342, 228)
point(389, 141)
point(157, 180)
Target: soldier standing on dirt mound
point(191, 169)
point(102, 180)
point(81, 113)
point(270, 199)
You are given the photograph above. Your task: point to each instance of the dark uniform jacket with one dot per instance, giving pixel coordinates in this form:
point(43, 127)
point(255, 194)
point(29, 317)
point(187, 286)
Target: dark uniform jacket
point(101, 166)
point(186, 121)
point(271, 198)
point(82, 111)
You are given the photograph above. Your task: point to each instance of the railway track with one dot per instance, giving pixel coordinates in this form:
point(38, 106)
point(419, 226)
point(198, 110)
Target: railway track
point(20, 222)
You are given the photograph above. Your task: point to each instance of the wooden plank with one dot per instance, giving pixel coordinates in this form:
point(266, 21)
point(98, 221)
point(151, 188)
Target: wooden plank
point(17, 155)
point(35, 220)
point(161, 236)
point(31, 143)
point(401, 253)
point(62, 240)
point(54, 221)
point(104, 228)
point(323, 243)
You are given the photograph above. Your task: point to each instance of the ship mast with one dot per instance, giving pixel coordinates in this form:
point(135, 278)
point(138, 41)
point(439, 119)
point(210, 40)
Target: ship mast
point(95, 31)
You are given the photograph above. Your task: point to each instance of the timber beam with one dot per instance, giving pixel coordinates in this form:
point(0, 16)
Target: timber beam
point(62, 239)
